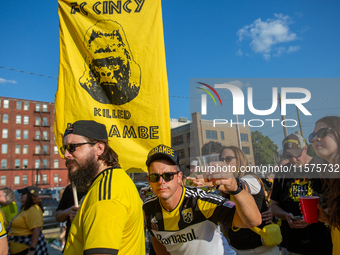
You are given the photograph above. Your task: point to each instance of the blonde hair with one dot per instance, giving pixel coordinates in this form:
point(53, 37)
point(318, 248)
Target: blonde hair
point(184, 180)
point(61, 192)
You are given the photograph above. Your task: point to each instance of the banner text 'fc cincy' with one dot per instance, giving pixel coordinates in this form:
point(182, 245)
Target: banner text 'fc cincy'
point(112, 70)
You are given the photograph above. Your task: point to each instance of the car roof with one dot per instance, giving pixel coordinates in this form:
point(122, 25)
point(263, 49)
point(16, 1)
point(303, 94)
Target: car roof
point(45, 196)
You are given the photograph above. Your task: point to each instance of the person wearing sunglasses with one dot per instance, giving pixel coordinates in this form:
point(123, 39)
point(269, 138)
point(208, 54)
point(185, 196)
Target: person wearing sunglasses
point(325, 140)
point(184, 220)
point(244, 240)
point(110, 217)
point(299, 237)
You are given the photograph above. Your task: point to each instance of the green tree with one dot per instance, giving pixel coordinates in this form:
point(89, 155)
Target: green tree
point(211, 147)
point(264, 148)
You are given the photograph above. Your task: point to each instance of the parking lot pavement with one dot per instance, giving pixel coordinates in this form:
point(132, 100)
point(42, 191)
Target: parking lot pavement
point(53, 250)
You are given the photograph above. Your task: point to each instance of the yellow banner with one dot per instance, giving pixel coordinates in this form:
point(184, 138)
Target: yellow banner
point(112, 70)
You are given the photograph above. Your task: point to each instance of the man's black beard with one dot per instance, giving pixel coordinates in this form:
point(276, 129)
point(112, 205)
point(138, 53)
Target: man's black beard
point(85, 174)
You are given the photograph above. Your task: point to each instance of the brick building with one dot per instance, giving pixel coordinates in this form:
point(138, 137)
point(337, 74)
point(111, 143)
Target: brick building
point(28, 152)
point(188, 138)
point(29, 155)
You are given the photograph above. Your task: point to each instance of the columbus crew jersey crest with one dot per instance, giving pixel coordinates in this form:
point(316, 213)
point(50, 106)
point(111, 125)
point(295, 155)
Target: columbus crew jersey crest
point(186, 229)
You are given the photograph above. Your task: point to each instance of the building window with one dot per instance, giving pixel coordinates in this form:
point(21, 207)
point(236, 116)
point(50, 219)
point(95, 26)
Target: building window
point(56, 178)
point(37, 163)
point(25, 134)
point(4, 148)
point(181, 153)
point(37, 149)
point(25, 163)
point(37, 135)
point(26, 120)
point(192, 152)
point(211, 134)
point(44, 178)
point(24, 179)
point(3, 180)
point(17, 149)
point(6, 103)
point(17, 163)
point(26, 106)
point(37, 178)
point(37, 121)
point(44, 121)
point(5, 133)
point(56, 163)
point(177, 140)
point(44, 107)
point(37, 107)
point(56, 150)
point(18, 119)
point(188, 137)
point(244, 137)
point(44, 149)
point(3, 163)
point(25, 149)
point(16, 180)
point(45, 135)
point(246, 150)
point(18, 105)
point(44, 163)
point(5, 118)
point(222, 135)
point(18, 134)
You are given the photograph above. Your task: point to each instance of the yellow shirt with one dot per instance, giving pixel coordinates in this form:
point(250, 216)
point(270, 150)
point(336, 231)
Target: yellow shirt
point(336, 240)
point(110, 218)
point(2, 226)
point(9, 211)
point(24, 224)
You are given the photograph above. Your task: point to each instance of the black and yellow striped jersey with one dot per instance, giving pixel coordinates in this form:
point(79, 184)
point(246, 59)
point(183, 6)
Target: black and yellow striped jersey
point(110, 218)
point(192, 227)
point(2, 226)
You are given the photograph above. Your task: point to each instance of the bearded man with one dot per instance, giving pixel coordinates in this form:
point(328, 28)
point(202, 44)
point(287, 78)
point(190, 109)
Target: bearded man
point(109, 219)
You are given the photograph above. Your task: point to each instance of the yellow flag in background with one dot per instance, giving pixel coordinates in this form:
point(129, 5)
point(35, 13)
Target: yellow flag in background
point(112, 70)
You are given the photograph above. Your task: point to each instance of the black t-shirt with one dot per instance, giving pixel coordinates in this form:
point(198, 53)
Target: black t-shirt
point(66, 202)
point(244, 238)
point(267, 184)
point(314, 239)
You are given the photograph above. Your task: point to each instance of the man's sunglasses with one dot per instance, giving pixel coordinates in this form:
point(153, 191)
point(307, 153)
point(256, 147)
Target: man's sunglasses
point(71, 147)
point(166, 176)
point(227, 159)
point(291, 156)
point(322, 133)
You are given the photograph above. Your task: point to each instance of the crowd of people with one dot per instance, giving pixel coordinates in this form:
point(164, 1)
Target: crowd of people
point(101, 211)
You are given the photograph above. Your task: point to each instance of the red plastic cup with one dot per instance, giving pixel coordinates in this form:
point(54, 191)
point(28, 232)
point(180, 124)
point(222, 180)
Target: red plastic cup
point(309, 208)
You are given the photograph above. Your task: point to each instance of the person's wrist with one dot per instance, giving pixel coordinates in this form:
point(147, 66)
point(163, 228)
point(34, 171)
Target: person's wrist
point(32, 249)
point(210, 185)
point(236, 185)
point(236, 190)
